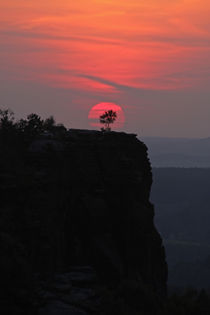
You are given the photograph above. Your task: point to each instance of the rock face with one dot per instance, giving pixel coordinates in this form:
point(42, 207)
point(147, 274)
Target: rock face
point(82, 204)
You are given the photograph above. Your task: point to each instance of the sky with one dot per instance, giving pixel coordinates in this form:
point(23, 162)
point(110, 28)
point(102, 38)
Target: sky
point(150, 57)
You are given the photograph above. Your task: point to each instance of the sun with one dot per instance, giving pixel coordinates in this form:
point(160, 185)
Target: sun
point(99, 109)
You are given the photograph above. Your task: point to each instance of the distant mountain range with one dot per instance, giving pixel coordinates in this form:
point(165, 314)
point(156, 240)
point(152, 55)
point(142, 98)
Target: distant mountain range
point(178, 152)
point(182, 215)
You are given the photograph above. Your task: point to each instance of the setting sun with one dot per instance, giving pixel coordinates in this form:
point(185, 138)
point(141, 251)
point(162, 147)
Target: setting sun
point(99, 109)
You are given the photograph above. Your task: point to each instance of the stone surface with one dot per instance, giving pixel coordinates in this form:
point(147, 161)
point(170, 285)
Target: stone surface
point(80, 219)
point(69, 293)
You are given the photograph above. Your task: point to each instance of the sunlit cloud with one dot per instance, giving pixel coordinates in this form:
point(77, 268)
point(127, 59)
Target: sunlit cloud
point(107, 46)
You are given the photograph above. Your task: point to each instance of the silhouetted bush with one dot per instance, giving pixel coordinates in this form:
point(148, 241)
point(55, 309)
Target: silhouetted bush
point(26, 130)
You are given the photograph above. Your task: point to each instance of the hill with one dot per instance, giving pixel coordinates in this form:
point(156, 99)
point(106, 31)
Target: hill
point(182, 201)
point(179, 152)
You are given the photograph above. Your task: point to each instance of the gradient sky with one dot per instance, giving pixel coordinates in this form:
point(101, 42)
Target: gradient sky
point(150, 57)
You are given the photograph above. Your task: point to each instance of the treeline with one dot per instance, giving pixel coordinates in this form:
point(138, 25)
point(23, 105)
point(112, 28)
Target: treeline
point(27, 129)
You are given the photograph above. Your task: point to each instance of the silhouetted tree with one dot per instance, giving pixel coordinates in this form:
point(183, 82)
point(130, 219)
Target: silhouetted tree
point(49, 124)
point(35, 124)
point(6, 119)
point(53, 128)
point(7, 126)
point(31, 127)
point(18, 134)
point(108, 118)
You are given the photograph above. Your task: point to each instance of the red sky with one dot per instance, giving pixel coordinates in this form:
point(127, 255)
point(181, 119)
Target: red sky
point(150, 57)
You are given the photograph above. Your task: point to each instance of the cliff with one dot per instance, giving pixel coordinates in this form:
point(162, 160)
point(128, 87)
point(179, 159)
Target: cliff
point(77, 229)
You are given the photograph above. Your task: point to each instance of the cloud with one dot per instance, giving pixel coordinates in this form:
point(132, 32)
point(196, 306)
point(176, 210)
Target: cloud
point(184, 40)
point(142, 54)
point(60, 37)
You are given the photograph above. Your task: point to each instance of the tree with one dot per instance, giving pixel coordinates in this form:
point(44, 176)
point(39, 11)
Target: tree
point(108, 118)
point(34, 124)
point(49, 124)
point(6, 119)
point(7, 126)
point(31, 127)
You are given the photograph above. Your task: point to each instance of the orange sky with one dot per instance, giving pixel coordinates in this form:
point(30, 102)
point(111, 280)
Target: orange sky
point(106, 47)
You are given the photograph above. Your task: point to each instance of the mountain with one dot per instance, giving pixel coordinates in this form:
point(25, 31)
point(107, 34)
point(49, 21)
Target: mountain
point(182, 202)
point(77, 233)
point(178, 152)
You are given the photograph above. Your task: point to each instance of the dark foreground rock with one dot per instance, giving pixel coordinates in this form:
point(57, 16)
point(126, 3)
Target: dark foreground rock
point(72, 292)
point(77, 233)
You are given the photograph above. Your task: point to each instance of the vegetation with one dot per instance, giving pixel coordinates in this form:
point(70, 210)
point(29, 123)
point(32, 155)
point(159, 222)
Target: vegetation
point(27, 129)
point(108, 118)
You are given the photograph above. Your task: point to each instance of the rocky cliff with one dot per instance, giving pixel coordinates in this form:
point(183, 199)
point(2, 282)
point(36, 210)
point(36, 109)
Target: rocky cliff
point(77, 232)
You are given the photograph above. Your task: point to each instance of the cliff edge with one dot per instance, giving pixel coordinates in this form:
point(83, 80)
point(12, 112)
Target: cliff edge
point(77, 234)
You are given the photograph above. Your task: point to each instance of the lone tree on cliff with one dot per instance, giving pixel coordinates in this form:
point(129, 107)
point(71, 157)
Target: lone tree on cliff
point(108, 118)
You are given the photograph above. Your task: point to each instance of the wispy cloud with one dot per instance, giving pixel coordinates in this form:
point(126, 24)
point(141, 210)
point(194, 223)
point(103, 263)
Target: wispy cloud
point(118, 44)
